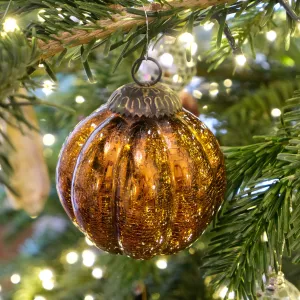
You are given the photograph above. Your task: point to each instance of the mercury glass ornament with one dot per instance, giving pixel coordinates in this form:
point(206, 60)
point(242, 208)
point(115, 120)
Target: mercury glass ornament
point(141, 176)
point(278, 288)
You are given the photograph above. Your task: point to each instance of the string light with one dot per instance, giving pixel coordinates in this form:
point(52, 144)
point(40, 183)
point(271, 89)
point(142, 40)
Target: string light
point(48, 87)
point(88, 297)
point(88, 258)
point(223, 292)
point(48, 139)
point(197, 94)
point(46, 275)
point(15, 278)
point(214, 92)
point(97, 273)
point(72, 258)
point(240, 59)
point(186, 38)
point(79, 99)
point(193, 47)
point(264, 237)
point(208, 26)
point(48, 285)
point(276, 112)
point(205, 107)
point(177, 78)
point(10, 25)
point(162, 263)
point(39, 298)
point(227, 83)
point(166, 60)
point(271, 35)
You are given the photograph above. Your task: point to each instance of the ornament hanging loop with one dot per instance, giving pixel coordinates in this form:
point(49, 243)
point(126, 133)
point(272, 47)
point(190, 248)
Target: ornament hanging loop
point(147, 32)
point(136, 66)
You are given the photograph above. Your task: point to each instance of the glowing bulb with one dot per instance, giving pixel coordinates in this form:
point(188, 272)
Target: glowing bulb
point(97, 273)
point(240, 59)
point(177, 78)
point(166, 60)
point(88, 297)
point(162, 263)
point(205, 107)
point(89, 242)
point(10, 25)
point(48, 87)
point(214, 93)
point(193, 47)
point(214, 85)
point(48, 139)
point(276, 112)
point(264, 237)
point(271, 35)
point(46, 275)
point(197, 94)
point(223, 292)
point(88, 258)
point(15, 278)
point(186, 38)
point(48, 285)
point(72, 258)
point(39, 298)
point(227, 83)
point(79, 99)
point(208, 26)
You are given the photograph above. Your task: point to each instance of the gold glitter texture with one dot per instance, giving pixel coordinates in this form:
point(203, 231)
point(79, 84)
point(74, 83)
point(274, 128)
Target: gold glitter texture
point(141, 186)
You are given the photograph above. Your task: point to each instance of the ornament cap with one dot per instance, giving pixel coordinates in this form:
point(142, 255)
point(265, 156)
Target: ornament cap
point(134, 100)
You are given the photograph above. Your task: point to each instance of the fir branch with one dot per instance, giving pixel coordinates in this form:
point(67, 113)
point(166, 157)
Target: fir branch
point(126, 19)
point(256, 222)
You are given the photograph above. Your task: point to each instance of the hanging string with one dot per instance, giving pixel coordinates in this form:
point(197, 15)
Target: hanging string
point(147, 32)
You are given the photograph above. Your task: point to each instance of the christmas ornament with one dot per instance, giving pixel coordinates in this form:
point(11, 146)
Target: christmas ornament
point(278, 288)
point(30, 177)
point(141, 176)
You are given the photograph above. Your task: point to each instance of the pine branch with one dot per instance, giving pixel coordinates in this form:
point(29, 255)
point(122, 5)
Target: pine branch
point(123, 20)
point(256, 223)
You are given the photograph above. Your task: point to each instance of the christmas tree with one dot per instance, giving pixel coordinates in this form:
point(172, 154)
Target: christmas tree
point(234, 64)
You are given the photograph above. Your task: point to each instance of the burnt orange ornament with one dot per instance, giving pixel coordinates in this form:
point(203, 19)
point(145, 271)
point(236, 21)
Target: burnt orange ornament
point(141, 176)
